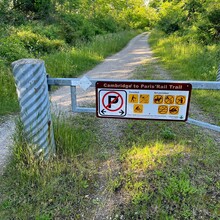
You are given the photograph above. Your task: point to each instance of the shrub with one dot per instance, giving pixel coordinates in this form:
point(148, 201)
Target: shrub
point(105, 23)
point(50, 31)
point(76, 28)
point(171, 17)
point(37, 44)
point(11, 49)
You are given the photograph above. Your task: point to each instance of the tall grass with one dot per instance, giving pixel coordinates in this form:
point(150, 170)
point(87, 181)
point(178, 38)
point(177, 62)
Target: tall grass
point(71, 62)
point(190, 61)
point(83, 57)
point(56, 189)
point(8, 97)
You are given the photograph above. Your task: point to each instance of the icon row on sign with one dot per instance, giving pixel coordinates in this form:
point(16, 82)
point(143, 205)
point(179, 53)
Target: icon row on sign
point(165, 109)
point(136, 98)
point(169, 99)
point(162, 109)
point(158, 99)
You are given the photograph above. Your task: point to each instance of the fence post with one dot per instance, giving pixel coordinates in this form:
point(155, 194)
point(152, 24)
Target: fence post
point(218, 74)
point(32, 89)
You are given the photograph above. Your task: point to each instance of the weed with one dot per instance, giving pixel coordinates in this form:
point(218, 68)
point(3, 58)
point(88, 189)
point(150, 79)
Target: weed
point(168, 134)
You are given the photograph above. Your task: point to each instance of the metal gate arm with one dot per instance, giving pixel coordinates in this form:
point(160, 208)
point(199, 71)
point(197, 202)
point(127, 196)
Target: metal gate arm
point(206, 85)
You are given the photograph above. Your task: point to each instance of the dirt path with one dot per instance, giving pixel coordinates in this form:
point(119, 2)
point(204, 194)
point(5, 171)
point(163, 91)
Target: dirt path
point(7, 127)
point(119, 66)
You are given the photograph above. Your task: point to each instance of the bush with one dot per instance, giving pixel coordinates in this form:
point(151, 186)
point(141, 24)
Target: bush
point(11, 49)
point(50, 31)
point(37, 44)
point(76, 28)
point(105, 23)
point(171, 17)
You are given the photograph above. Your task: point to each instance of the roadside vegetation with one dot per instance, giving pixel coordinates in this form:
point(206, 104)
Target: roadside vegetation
point(191, 61)
point(168, 171)
point(186, 41)
point(71, 36)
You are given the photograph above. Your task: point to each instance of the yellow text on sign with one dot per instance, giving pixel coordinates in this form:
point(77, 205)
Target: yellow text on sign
point(133, 98)
point(138, 109)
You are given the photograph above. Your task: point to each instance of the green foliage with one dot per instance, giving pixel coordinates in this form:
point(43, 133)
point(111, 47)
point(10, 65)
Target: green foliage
point(73, 136)
point(74, 27)
point(51, 31)
point(171, 17)
point(197, 20)
point(105, 23)
point(8, 95)
point(76, 61)
point(11, 49)
point(191, 60)
point(39, 7)
point(37, 44)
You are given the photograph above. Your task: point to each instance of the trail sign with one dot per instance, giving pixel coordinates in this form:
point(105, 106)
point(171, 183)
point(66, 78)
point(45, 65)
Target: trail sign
point(138, 100)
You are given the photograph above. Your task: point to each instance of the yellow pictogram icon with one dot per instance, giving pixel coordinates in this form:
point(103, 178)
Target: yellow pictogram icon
point(169, 99)
point(158, 99)
point(138, 108)
point(174, 110)
point(162, 109)
point(180, 100)
point(144, 98)
point(133, 98)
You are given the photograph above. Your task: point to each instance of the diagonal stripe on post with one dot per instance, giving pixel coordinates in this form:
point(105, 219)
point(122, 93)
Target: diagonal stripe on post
point(32, 89)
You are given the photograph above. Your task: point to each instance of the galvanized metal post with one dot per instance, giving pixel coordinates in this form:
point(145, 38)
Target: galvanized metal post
point(218, 74)
point(32, 89)
point(73, 98)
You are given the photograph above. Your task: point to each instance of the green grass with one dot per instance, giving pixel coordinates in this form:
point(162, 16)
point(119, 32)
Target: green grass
point(190, 61)
point(8, 97)
point(168, 171)
point(34, 189)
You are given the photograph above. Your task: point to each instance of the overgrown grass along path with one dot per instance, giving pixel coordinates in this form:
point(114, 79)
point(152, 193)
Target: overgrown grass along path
point(140, 170)
point(69, 63)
